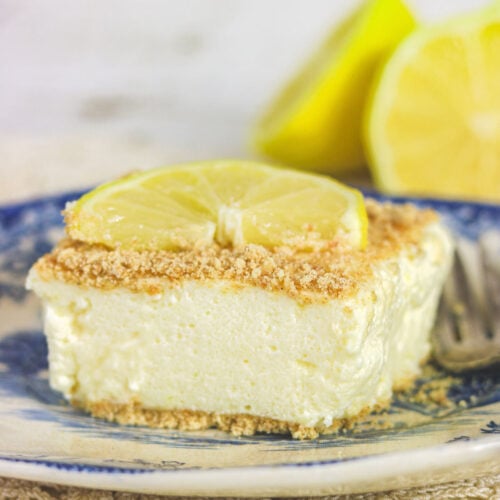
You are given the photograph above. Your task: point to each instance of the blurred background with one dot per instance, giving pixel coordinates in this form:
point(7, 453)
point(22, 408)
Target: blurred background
point(91, 89)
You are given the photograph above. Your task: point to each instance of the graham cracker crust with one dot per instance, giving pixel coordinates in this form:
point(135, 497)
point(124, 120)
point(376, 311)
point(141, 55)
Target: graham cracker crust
point(239, 424)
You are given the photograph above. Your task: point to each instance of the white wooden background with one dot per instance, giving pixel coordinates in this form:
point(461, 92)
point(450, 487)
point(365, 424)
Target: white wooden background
point(92, 88)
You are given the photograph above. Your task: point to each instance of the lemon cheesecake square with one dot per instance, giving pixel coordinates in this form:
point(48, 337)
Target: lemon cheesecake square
point(249, 338)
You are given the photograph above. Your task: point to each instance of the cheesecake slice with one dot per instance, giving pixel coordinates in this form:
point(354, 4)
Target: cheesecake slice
point(245, 339)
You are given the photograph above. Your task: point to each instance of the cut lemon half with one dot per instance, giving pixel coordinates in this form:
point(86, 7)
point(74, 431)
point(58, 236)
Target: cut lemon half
point(230, 203)
point(316, 121)
point(433, 125)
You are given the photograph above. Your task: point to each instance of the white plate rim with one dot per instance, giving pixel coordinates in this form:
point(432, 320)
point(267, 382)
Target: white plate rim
point(254, 480)
point(258, 479)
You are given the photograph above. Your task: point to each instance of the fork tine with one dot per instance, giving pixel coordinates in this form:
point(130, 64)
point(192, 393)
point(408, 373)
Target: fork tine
point(451, 334)
point(489, 246)
point(468, 307)
point(450, 315)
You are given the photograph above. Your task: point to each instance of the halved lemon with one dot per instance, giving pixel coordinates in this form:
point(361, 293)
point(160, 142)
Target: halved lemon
point(315, 122)
point(227, 202)
point(433, 125)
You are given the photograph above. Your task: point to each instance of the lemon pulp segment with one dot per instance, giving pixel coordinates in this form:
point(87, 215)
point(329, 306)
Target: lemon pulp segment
point(433, 126)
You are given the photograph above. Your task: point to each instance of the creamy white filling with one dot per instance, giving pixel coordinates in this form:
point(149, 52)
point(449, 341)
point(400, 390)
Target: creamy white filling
point(226, 348)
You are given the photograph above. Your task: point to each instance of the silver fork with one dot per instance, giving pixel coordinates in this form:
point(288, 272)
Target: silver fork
point(467, 331)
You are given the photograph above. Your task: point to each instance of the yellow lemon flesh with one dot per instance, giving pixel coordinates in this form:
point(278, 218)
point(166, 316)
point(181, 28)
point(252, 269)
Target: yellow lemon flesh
point(316, 121)
point(229, 202)
point(433, 126)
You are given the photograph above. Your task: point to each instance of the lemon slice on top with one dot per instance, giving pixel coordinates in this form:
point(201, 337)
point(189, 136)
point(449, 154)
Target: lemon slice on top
point(230, 203)
point(315, 122)
point(433, 126)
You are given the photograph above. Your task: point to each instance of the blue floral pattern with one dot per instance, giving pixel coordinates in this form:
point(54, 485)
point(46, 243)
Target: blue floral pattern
point(30, 408)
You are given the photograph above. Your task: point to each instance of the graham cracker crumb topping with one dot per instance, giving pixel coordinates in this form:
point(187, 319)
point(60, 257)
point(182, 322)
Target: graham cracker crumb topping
point(330, 273)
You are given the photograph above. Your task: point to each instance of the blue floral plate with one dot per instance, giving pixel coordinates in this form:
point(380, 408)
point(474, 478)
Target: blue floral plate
point(417, 441)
